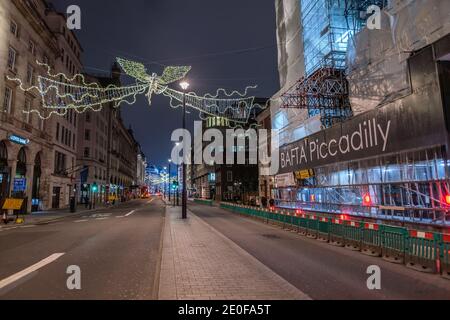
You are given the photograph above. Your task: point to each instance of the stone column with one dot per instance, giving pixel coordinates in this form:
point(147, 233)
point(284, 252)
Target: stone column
point(29, 188)
point(12, 164)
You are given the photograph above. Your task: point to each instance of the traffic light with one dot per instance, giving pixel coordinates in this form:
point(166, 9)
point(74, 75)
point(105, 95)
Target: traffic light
point(174, 185)
point(94, 188)
point(367, 200)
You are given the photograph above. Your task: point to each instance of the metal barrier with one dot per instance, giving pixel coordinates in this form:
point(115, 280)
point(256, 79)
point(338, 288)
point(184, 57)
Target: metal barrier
point(312, 227)
point(422, 251)
point(352, 235)
point(371, 240)
point(394, 244)
point(323, 230)
point(445, 256)
point(303, 224)
point(337, 233)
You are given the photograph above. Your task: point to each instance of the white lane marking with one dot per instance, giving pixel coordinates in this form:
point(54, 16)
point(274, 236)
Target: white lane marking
point(119, 217)
point(27, 271)
point(130, 213)
point(24, 227)
point(101, 218)
point(80, 221)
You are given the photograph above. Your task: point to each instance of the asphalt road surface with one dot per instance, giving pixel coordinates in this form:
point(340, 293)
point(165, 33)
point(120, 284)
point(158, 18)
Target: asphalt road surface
point(318, 269)
point(117, 251)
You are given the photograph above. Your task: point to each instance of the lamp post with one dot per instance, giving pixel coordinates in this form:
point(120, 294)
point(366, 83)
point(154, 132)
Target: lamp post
point(170, 162)
point(165, 183)
point(184, 85)
point(178, 179)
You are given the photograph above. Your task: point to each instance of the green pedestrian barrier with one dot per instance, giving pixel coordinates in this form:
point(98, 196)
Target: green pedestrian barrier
point(337, 232)
point(303, 224)
point(394, 243)
point(422, 251)
point(445, 255)
point(323, 231)
point(352, 235)
point(371, 240)
point(312, 228)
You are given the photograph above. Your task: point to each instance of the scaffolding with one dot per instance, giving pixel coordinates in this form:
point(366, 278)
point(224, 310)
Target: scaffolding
point(328, 27)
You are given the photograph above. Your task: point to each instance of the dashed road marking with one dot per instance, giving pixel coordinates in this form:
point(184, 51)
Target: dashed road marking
point(80, 221)
point(27, 271)
point(25, 227)
point(101, 218)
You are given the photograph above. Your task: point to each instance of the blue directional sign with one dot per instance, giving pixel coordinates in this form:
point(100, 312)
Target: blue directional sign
point(19, 140)
point(20, 184)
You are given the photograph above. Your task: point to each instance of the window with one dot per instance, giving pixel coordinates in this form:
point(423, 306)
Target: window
point(60, 163)
point(41, 123)
point(229, 176)
point(30, 74)
point(57, 131)
point(87, 152)
point(32, 47)
point(26, 114)
point(73, 141)
point(87, 135)
point(12, 58)
point(7, 101)
point(14, 28)
point(88, 117)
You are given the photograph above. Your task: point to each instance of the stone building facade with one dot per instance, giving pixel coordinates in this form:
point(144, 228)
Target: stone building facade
point(26, 167)
point(43, 160)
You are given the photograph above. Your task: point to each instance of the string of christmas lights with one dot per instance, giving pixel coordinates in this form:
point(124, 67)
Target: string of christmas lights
point(60, 93)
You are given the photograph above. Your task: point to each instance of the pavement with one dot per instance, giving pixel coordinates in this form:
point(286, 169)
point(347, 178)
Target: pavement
point(116, 249)
point(199, 263)
point(320, 270)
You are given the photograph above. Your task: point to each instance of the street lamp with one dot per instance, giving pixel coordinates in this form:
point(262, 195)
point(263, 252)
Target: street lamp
point(170, 162)
point(165, 183)
point(184, 85)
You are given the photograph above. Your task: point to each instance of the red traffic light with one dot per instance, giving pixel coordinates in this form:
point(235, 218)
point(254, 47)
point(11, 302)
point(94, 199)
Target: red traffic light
point(367, 200)
point(447, 199)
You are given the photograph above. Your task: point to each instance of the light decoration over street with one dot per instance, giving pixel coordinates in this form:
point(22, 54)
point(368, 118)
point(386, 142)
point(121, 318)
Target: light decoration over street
point(60, 93)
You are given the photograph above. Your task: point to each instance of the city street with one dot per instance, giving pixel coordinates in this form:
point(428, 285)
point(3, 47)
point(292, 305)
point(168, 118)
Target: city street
point(117, 250)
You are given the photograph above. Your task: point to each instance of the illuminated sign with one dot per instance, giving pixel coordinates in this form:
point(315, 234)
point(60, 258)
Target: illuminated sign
point(304, 174)
point(20, 185)
point(19, 140)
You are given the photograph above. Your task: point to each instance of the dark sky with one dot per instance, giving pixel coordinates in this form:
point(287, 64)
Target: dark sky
point(228, 43)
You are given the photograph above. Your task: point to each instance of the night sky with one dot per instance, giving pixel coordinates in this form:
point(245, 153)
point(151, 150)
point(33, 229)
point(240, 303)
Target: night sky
point(229, 44)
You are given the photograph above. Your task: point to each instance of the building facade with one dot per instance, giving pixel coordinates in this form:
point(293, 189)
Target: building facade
point(389, 159)
point(26, 141)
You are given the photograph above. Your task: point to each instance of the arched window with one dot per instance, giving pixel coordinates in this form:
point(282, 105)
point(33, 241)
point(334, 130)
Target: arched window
point(3, 152)
point(21, 163)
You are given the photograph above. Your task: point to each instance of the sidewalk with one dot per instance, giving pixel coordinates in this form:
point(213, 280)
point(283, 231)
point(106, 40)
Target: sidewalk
point(199, 263)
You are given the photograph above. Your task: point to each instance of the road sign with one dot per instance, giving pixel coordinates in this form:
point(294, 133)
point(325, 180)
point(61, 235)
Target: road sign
point(12, 204)
point(20, 184)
